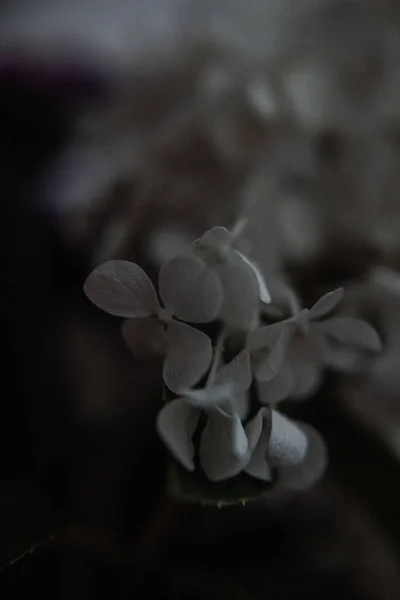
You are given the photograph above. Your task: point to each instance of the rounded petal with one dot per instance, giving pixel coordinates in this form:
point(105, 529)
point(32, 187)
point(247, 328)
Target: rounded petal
point(277, 389)
point(264, 293)
point(287, 443)
point(313, 466)
point(214, 238)
point(354, 332)
point(176, 424)
point(237, 372)
point(189, 354)
point(241, 297)
point(123, 289)
point(326, 303)
point(258, 432)
point(190, 290)
point(224, 449)
point(145, 336)
point(210, 396)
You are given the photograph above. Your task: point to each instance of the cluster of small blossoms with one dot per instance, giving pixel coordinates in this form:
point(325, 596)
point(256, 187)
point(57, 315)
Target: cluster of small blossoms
point(221, 415)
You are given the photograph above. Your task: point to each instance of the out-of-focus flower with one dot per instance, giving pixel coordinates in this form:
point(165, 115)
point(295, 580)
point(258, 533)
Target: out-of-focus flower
point(295, 451)
point(242, 282)
point(268, 446)
point(290, 356)
point(189, 291)
point(224, 449)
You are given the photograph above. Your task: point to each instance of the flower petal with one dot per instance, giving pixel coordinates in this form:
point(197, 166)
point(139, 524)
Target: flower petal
point(224, 449)
point(287, 443)
point(346, 359)
point(265, 338)
point(176, 424)
point(254, 427)
point(145, 336)
point(240, 403)
point(277, 389)
point(306, 474)
point(267, 364)
point(189, 353)
point(210, 396)
point(326, 303)
point(354, 332)
point(215, 237)
point(258, 432)
point(190, 289)
point(282, 294)
point(307, 379)
point(241, 295)
point(306, 360)
point(264, 293)
point(123, 289)
point(237, 372)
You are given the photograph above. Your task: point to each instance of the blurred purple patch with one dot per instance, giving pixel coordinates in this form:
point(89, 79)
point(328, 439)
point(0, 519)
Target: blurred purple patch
point(39, 100)
point(58, 81)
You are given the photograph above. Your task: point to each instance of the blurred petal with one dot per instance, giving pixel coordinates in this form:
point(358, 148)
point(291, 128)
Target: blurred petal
point(267, 364)
point(240, 403)
point(176, 424)
point(241, 296)
point(307, 379)
point(145, 336)
point(210, 396)
point(326, 303)
point(342, 358)
point(282, 294)
point(311, 468)
point(255, 425)
point(265, 338)
point(277, 389)
point(123, 289)
point(190, 289)
point(264, 293)
point(352, 331)
point(258, 432)
point(214, 238)
point(224, 447)
point(189, 353)
point(287, 443)
point(237, 372)
point(305, 359)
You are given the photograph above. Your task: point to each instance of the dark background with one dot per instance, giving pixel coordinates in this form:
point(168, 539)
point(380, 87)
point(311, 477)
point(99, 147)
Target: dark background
point(83, 512)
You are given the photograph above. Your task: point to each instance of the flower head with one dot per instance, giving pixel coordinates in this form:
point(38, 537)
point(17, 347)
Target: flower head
point(189, 291)
point(243, 284)
point(289, 357)
point(223, 447)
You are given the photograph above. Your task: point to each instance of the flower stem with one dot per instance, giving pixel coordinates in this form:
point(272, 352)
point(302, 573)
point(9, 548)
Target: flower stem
point(238, 229)
point(217, 357)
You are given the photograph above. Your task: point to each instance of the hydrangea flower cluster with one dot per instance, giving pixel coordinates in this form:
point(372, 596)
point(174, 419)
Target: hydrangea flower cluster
point(221, 417)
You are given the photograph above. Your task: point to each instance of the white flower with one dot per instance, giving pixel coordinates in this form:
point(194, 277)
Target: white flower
point(190, 291)
point(289, 356)
point(224, 449)
point(242, 282)
point(295, 451)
